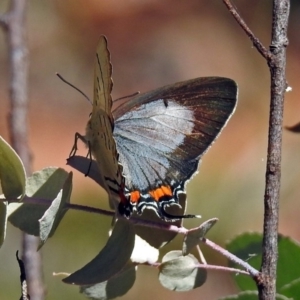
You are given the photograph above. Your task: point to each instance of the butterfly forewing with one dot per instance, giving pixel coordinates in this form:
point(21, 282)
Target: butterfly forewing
point(103, 78)
point(99, 130)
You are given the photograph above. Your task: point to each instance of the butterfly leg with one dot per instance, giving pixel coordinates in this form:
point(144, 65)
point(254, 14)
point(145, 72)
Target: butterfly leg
point(89, 156)
point(74, 148)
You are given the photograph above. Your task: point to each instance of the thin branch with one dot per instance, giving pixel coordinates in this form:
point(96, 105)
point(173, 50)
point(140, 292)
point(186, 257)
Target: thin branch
point(276, 58)
point(221, 268)
point(277, 66)
point(18, 54)
point(89, 209)
point(167, 227)
point(252, 271)
point(256, 42)
point(201, 255)
point(14, 23)
point(205, 266)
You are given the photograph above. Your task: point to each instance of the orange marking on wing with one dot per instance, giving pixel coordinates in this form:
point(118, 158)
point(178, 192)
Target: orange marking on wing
point(160, 192)
point(167, 190)
point(135, 196)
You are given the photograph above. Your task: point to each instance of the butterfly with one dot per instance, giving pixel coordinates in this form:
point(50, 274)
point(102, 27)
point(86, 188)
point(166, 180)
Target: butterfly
point(148, 147)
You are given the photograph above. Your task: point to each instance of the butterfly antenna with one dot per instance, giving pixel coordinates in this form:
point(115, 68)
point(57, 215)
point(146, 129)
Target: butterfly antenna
point(129, 96)
point(74, 87)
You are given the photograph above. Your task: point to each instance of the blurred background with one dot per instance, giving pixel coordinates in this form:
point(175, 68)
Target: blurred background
point(153, 43)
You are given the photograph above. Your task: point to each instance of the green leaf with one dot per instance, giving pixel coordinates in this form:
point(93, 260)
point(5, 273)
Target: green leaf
point(249, 247)
point(181, 273)
point(288, 268)
point(292, 289)
point(46, 183)
point(117, 286)
point(42, 185)
point(3, 221)
point(54, 214)
point(111, 259)
point(12, 172)
point(194, 236)
point(250, 295)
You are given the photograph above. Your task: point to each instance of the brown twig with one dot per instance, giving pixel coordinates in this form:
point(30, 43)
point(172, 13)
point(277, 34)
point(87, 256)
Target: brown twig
point(14, 23)
point(200, 266)
point(276, 59)
point(152, 224)
point(256, 42)
point(277, 68)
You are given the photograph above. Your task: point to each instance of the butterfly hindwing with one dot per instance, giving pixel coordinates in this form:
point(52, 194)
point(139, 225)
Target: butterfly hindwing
point(161, 136)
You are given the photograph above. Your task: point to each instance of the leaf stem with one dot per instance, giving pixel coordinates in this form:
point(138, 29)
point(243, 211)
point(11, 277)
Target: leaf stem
point(252, 271)
point(207, 267)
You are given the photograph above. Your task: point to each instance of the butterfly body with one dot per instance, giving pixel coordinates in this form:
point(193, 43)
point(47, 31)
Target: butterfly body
point(102, 146)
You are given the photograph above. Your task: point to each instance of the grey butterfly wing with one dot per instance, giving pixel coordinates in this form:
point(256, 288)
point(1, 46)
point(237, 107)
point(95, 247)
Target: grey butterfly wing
point(161, 135)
